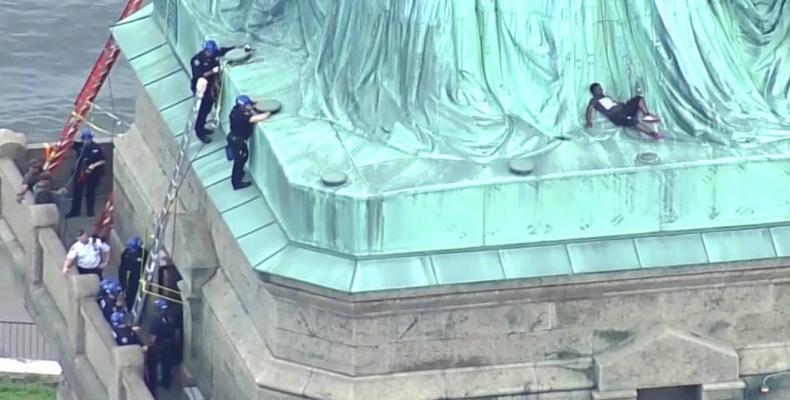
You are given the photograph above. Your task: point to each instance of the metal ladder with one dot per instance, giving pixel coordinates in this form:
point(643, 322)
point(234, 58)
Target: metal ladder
point(177, 177)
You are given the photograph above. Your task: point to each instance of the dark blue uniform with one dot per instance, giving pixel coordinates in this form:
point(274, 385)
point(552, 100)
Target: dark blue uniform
point(132, 260)
point(202, 63)
point(109, 306)
point(84, 180)
point(241, 130)
point(124, 336)
point(163, 351)
point(169, 278)
point(102, 298)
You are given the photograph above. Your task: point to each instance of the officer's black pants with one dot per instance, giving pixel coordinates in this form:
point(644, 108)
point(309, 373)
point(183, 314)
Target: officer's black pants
point(89, 188)
point(159, 356)
point(203, 112)
point(85, 271)
point(241, 153)
point(131, 292)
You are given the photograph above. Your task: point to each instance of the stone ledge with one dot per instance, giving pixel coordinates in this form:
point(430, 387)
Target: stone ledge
point(298, 380)
point(687, 359)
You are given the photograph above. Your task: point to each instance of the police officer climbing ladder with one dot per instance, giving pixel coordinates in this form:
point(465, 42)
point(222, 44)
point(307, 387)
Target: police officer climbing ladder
point(205, 64)
point(201, 80)
point(132, 261)
point(160, 223)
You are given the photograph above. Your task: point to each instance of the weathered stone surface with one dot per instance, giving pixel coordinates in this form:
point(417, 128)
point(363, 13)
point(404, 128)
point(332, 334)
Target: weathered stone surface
point(402, 386)
point(715, 324)
point(424, 325)
point(441, 354)
point(781, 301)
point(310, 321)
point(759, 359)
point(574, 395)
point(613, 312)
point(369, 360)
point(606, 339)
point(12, 144)
point(557, 345)
point(133, 386)
point(98, 341)
point(498, 320)
point(741, 299)
point(615, 395)
point(723, 391)
point(768, 327)
point(686, 359)
point(564, 376)
point(194, 245)
point(490, 381)
point(313, 351)
point(44, 215)
point(16, 214)
point(322, 386)
point(372, 331)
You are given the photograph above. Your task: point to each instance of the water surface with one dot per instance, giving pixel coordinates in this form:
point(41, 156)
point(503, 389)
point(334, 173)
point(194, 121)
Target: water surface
point(47, 49)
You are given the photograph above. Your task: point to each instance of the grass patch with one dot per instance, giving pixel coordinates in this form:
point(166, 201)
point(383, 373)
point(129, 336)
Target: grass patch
point(10, 390)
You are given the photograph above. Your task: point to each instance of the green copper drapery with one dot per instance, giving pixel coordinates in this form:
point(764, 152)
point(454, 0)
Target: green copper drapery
point(485, 79)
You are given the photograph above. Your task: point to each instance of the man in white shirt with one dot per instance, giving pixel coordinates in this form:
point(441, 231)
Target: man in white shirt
point(90, 255)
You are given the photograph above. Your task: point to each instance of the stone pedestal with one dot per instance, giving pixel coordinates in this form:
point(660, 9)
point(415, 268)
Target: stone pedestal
point(615, 395)
point(12, 144)
point(723, 391)
point(42, 216)
point(127, 360)
point(84, 287)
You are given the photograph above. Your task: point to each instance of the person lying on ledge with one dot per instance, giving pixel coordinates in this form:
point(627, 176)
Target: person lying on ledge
point(620, 114)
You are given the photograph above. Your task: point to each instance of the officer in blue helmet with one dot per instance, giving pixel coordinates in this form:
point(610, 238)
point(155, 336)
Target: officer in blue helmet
point(103, 295)
point(162, 347)
point(113, 302)
point(133, 260)
point(205, 64)
point(88, 170)
point(121, 330)
point(243, 118)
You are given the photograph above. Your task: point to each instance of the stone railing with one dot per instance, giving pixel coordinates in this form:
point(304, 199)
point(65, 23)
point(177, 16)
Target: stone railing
point(117, 371)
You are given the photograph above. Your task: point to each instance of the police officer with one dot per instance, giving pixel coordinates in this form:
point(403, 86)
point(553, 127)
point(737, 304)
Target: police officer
point(103, 295)
point(161, 350)
point(168, 280)
point(112, 302)
point(122, 331)
point(205, 64)
point(88, 171)
point(132, 260)
point(243, 118)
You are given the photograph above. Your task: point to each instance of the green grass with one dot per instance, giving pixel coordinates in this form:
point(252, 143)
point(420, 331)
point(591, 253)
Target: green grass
point(25, 391)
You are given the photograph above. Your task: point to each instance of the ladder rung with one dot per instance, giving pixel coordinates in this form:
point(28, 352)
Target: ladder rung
point(177, 176)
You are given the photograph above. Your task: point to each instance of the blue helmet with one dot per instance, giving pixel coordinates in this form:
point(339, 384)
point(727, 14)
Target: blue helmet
point(106, 283)
point(243, 100)
point(86, 134)
point(117, 318)
point(210, 46)
point(161, 304)
point(134, 243)
point(114, 289)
